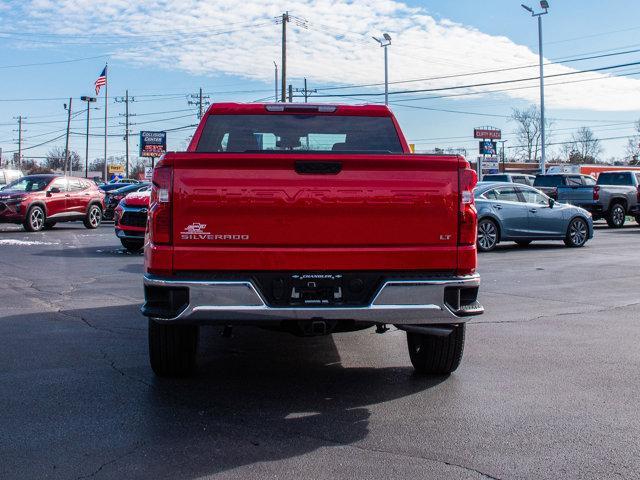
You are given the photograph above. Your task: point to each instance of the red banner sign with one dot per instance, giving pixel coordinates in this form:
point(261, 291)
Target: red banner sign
point(487, 134)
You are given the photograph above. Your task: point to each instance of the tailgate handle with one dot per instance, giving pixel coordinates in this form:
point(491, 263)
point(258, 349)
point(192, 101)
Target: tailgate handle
point(318, 168)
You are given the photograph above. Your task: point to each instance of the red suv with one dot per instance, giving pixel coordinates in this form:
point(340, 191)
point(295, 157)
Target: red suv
point(40, 201)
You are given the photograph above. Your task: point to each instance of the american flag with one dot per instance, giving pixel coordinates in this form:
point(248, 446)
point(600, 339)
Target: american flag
point(102, 80)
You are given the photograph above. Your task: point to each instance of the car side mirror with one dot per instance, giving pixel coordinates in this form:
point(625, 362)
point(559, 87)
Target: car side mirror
point(552, 202)
point(54, 190)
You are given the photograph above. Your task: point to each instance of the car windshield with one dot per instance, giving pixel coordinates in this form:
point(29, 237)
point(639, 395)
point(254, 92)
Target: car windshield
point(496, 178)
point(29, 184)
point(548, 181)
point(614, 178)
point(299, 133)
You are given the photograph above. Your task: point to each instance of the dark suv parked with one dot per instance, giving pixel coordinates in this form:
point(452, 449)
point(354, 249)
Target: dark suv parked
point(40, 201)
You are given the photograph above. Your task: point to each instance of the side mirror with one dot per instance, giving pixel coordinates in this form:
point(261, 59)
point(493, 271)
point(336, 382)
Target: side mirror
point(552, 202)
point(54, 190)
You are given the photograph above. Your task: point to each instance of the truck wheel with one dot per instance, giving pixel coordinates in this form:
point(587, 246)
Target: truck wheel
point(93, 218)
point(35, 220)
point(577, 233)
point(172, 349)
point(436, 354)
point(616, 216)
point(132, 245)
point(487, 235)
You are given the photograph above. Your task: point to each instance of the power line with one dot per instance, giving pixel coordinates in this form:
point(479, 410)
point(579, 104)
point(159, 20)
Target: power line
point(486, 84)
point(481, 72)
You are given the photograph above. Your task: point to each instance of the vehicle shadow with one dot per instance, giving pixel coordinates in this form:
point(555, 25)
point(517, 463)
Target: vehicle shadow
point(513, 247)
point(258, 397)
point(98, 252)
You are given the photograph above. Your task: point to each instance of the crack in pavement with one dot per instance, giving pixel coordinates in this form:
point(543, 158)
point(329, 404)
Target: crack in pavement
point(112, 461)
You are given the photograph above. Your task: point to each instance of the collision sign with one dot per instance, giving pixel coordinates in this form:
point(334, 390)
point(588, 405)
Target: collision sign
point(153, 144)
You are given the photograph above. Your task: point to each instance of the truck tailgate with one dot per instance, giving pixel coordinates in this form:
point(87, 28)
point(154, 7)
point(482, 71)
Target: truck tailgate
point(266, 212)
point(575, 195)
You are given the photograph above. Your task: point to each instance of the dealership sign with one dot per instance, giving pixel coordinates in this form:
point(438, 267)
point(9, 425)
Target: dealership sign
point(487, 133)
point(153, 144)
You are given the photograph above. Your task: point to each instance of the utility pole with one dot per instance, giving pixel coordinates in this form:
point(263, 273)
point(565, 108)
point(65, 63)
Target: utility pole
point(20, 118)
point(290, 93)
point(66, 143)
point(305, 91)
point(275, 66)
point(199, 100)
point(87, 99)
point(126, 99)
point(503, 152)
point(285, 20)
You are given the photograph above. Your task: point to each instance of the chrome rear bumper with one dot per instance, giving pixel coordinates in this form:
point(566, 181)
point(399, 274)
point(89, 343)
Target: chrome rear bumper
point(400, 302)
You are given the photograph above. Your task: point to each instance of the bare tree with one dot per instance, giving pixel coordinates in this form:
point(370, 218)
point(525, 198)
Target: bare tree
point(56, 159)
point(632, 150)
point(587, 146)
point(528, 134)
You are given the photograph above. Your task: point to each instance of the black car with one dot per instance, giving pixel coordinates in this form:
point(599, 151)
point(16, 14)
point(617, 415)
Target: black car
point(112, 197)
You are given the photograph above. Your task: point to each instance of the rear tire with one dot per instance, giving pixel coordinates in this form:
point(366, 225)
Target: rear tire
point(436, 354)
point(132, 245)
point(523, 243)
point(173, 349)
point(35, 219)
point(577, 233)
point(93, 218)
point(616, 216)
point(488, 235)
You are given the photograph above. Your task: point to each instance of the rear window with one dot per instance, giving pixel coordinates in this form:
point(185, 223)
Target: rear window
point(496, 178)
point(299, 133)
point(548, 181)
point(615, 178)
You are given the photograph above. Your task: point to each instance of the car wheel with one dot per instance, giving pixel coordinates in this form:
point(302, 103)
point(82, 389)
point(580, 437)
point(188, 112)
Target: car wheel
point(172, 349)
point(132, 245)
point(577, 233)
point(35, 219)
point(49, 224)
point(616, 216)
point(487, 235)
point(436, 354)
point(93, 218)
point(523, 243)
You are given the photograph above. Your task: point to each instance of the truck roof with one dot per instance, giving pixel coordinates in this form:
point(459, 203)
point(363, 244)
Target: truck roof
point(367, 110)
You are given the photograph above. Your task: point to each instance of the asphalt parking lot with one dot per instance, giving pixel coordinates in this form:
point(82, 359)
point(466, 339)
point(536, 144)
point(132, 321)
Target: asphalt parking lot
point(548, 387)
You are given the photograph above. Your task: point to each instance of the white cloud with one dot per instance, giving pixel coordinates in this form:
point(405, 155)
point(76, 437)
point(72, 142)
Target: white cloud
point(240, 38)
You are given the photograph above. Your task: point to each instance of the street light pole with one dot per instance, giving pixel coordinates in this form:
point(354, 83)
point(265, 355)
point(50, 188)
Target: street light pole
point(384, 42)
point(87, 99)
point(544, 4)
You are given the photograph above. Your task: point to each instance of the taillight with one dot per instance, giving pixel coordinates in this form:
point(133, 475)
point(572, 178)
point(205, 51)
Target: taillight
point(159, 223)
point(596, 193)
point(467, 217)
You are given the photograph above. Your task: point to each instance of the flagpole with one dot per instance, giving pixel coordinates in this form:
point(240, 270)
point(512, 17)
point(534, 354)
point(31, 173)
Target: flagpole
point(106, 107)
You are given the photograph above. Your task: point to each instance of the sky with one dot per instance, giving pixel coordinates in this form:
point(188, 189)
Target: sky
point(162, 52)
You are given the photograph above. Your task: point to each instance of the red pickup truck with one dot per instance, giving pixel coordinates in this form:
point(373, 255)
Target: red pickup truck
point(310, 219)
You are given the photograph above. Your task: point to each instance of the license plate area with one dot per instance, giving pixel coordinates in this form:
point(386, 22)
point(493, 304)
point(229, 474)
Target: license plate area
point(316, 289)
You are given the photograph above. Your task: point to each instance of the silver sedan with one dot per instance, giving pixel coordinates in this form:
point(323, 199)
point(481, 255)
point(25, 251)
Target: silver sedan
point(522, 214)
